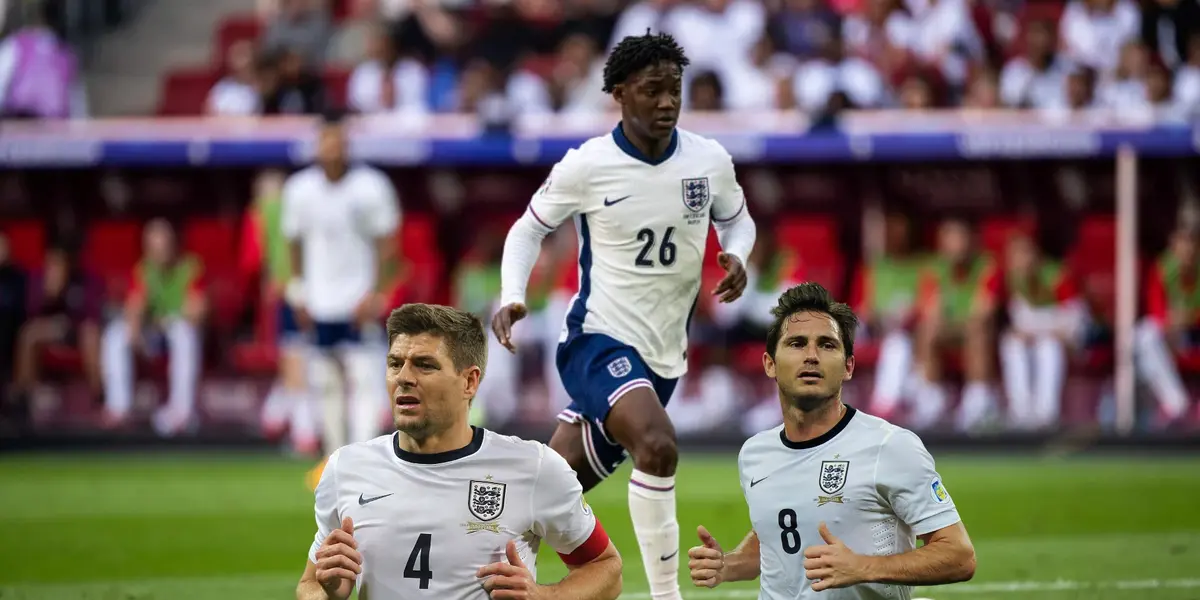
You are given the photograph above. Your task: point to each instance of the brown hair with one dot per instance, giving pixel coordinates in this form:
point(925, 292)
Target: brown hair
point(812, 297)
point(461, 331)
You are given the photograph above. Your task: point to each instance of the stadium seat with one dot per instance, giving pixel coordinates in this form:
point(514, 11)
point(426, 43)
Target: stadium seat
point(337, 84)
point(26, 242)
point(424, 270)
point(814, 239)
point(111, 250)
point(1093, 260)
point(185, 91)
point(995, 231)
point(232, 30)
point(215, 242)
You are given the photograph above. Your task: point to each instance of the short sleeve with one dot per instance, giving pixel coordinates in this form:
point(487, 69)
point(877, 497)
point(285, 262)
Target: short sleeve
point(729, 201)
point(291, 219)
point(326, 505)
point(561, 515)
point(908, 482)
point(561, 195)
point(383, 207)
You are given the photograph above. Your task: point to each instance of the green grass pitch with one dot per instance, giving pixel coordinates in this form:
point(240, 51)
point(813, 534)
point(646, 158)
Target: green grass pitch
point(176, 527)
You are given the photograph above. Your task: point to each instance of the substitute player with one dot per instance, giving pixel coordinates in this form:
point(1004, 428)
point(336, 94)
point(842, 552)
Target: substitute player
point(643, 198)
point(341, 221)
point(830, 463)
point(440, 509)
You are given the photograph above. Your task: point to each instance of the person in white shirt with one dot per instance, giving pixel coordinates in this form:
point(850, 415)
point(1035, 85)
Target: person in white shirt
point(643, 199)
point(237, 93)
point(828, 463)
point(341, 221)
point(441, 509)
point(387, 82)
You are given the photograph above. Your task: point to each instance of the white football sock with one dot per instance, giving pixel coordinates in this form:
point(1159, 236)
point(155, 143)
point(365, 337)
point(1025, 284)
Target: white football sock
point(652, 509)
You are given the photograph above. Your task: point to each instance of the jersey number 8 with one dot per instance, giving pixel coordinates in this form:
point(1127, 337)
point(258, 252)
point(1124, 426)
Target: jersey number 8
point(666, 250)
point(789, 536)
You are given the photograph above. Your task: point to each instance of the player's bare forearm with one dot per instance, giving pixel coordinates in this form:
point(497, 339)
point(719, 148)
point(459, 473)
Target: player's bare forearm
point(598, 579)
point(384, 255)
point(310, 590)
point(946, 557)
point(296, 253)
point(743, 563)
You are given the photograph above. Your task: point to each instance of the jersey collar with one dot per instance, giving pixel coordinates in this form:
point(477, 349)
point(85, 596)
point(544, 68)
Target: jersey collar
point(627, 146)
point(439, 457)
point(821, 439)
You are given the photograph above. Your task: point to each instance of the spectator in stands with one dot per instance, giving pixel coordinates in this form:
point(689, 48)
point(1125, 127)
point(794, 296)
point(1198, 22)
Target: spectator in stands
point(302, 26)
point(878, 32)
point(917, 92)
point(165, 304)
point(706, 92)
point(957, 297)
point(818, 81)
point(639, 16)
point(1171, 323)
point(387, 82)
point(573, 83)
point(595, 19)
point(237, 93)
point(433, 33)
point(1081, 89)
point(944, 37)
point(266, 261)
point(1125, 88)
point(290, 87)
point(1186, 89)
point(64, 310)
point(762, 82)
point(804, 28)
point(12, 315)
point(39, 72)
point(983, 90)
point(1168, 27)
point(1094, 31)
point(739, 24)
point(884, 299)
point(1046, 317)
point(1037, 79)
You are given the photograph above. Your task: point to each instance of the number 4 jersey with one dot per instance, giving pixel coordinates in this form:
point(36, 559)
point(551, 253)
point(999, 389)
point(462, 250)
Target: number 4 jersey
point(643, 230)
point(425, 523)
point(872, 483)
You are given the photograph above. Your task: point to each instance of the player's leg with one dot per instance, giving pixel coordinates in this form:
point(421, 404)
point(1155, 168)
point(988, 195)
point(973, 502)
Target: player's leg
point(293, 385)
point(568, 442)
point(325, 381)
point(895, 365)
point(978, 402)
point(1016, 372)
point(1050, 360)
point(497, 396)
point(366, 372)
point(116, 363)
point(88, 343)
point(183, 355)
point(1156, 365)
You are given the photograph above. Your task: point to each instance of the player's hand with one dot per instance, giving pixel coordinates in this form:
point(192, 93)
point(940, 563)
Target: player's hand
point(706, 561)
point(369, 308)
point(734, 283)
point(833, 565)
point(511, 580)
point(502, 323)
point(338, 562)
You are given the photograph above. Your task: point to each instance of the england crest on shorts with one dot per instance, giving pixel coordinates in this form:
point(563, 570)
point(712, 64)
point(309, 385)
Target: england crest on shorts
point(833, 475)
point(620, 367)
point(486, 499)
point(695, 193)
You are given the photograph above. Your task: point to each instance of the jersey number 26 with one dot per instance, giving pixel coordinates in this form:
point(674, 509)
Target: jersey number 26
point(666, 250)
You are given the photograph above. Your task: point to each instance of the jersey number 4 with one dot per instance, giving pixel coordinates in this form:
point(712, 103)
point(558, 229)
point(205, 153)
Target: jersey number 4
point(789, 536)
point(666, 250)
point(418, 561)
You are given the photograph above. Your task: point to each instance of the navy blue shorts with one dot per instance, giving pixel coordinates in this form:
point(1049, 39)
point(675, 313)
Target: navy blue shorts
point(285, 322)
point(329, 335)
point(597, 370)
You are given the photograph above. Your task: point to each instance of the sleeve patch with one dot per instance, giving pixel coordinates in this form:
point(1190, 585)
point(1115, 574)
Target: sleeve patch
point(938, 491)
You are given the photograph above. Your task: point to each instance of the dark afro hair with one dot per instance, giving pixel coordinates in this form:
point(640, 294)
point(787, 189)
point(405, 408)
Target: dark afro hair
point(812, 297)
point(635, 53)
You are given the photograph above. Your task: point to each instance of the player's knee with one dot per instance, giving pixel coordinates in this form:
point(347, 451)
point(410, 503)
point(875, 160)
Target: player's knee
point(656, 454)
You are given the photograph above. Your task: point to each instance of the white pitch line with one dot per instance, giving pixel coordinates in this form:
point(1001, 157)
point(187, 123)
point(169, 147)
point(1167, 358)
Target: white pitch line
point(997, 587)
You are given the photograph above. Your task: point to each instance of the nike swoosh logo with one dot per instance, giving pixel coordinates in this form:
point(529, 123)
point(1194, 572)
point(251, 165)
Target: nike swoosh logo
point(755, 482)
point(608, 202)
point(669, 556)
point(363, 501)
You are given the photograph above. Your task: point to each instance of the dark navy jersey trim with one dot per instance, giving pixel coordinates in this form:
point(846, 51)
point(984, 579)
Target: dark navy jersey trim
point(627, 146)
point(439, 457)
point(821, 439)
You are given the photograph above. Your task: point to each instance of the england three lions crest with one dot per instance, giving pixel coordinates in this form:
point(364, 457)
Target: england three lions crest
point(833, 475)
point(696, 194)
point(486, 499)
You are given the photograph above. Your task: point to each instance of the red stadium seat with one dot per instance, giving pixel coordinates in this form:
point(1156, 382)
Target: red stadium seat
point(814, 239)
point(337, 84)
point(215, 242)
point(424, 269)
point(185, 91)
point(1093, 260)
point(26, 242)
point(111, 250)
point(234, 29)
point(994, 232)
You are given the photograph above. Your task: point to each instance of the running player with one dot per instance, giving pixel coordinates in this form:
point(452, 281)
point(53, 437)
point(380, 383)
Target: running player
point(830, 463)
point(643, 198)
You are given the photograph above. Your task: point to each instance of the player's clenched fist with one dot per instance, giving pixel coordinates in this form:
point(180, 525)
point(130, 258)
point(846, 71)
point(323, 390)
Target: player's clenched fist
point(511, 580)
point(338, 562)
point(706, 561)
point(503, 321)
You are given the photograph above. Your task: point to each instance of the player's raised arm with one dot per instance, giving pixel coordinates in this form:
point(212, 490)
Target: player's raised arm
point(735, 230)
point(334, 562)
point(556, 201)
point(711, 566)
point(564, 520)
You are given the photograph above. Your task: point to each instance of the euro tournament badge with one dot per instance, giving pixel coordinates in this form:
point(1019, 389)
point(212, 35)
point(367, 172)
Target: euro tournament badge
point(833, 479)
point(486, 499)
point(695, 193)
point(938, 491)
point(620, 367)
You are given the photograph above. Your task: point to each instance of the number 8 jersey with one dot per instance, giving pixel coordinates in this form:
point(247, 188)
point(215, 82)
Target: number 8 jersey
point(425, 523)
point(643, 229)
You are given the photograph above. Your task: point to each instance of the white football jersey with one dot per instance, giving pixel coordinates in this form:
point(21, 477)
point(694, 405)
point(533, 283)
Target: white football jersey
point(425, 523)
point(338, 223)
point(643, 228)
point(872, 483)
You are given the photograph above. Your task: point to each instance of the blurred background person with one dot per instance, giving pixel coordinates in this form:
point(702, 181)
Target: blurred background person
point(13, 308)
point(39, 72)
